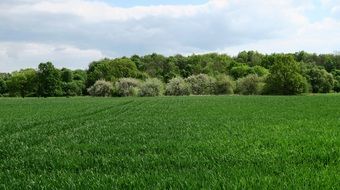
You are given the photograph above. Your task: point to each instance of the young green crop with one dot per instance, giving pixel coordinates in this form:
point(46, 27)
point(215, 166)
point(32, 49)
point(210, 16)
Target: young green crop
point(209, 142)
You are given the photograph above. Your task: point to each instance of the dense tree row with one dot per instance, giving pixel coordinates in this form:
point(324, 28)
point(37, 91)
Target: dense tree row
point(153, 75)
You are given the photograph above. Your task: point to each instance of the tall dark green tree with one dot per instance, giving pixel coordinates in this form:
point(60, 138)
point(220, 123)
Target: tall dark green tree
point(66, 75)
point(252, 58)
point(49, 80)
point(97, 70)
point(3, 83)
point(181, 62)
point(159, 66)
point(79, 75)
point(3, 86)
point(305, 57)
point(285, 77)
point(336, 74)
point(328, 61)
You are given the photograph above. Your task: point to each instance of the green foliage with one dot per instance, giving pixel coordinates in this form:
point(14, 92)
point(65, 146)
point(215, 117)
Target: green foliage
point(110, 70)
point(212, 64)
point(216, 63)
point(3, 86)
point(98, 70)
point(328, 61)
point(101, 88)
point(79, 75)
point(49, 80)
point(260, 71)
point(251, 58)
point(23, 83)
point(127, 87)
point(74, 88)
point(123, 67)
point(152, 87)
point(177, 87)
point(240, 71)
point(242, 57)
point(66, 75)
point(182, 63)
point(337, 85)
point(305, 57)
point(285, 77)
point(321, 81)
point(170, 70)
point(286, 74)
point(250, 85)
point(336, 74)
point(157, 66)
point(201, 84)
point(153, 65)
point(224, 85)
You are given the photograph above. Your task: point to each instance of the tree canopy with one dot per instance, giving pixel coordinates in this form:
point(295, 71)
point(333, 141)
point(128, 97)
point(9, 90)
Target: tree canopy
point(285, 77)
point(49, 80)
point(211, 73)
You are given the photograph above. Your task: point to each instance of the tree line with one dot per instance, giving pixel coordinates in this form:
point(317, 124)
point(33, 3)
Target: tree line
point(249, 72)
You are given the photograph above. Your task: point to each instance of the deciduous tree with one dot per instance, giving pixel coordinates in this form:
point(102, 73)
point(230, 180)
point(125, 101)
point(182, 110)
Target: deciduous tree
point(49, 80)
point(285, 77)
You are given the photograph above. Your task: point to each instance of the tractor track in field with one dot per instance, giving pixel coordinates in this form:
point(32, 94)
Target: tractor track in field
point(112, 117)
point(82, 117)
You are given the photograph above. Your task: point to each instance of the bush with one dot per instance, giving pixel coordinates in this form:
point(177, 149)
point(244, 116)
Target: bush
point(152, 87)
point(127, 87)
point(201, 84)
point(101, 88)
point(320, 80)
point(177, 87)
point(224, 85)
point(249, 85)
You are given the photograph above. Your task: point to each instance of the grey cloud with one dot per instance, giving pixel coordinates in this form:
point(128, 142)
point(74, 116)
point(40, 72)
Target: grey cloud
point(206, 31)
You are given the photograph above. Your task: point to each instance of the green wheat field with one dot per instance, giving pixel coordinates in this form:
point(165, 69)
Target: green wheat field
point(196, 142)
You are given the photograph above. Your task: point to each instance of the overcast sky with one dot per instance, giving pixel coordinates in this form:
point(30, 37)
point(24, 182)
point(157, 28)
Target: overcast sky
point(72, 33)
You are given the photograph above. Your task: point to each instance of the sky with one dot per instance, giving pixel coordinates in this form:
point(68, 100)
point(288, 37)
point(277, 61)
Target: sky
point(132, 3)
point(73, 33)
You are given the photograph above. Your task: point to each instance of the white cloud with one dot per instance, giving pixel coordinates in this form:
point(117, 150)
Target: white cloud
point(87, 30)
point(96, 11)
point(333, 7)
point(320, 37)
point(21, 55)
